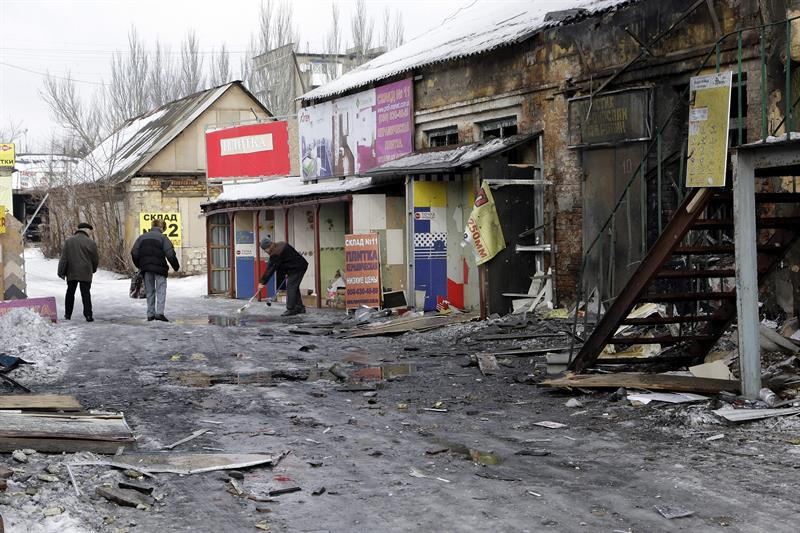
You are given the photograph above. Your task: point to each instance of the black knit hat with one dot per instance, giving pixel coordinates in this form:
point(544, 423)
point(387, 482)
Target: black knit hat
point(85, 225)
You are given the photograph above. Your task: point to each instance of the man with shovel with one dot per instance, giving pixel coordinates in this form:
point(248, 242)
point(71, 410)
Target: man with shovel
point(287, 262)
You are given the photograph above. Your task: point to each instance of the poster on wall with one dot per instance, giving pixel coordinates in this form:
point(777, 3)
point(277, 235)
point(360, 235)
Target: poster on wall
point(248, 151)
point(172, 220)
point(7, 156)
point(709, 118)
point(2, 219)
point(362, 269)
point(45, 307)
point(352, 135)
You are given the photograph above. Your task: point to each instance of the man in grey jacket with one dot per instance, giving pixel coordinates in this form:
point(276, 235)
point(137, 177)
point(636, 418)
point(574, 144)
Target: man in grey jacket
point(77, 265)
point(150, 254)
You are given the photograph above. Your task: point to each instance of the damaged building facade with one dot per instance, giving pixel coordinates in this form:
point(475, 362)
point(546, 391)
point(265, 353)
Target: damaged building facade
point(591, 87)
point(576, 119)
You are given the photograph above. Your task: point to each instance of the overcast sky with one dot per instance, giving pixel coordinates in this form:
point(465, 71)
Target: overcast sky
point(79, 36)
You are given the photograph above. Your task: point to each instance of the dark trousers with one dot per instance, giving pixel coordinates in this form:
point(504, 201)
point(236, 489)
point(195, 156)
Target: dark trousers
point(86, 298)
point(293, 299)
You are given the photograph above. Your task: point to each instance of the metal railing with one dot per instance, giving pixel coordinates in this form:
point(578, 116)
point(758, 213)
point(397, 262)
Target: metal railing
point(603, 286)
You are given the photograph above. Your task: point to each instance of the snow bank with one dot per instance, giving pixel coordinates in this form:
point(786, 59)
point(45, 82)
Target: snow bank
point(25, 334)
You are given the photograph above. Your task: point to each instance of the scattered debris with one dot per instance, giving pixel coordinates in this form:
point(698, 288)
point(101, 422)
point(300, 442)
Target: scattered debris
point(262, 525)
point(714, 370)
point(744, 415)
point(645, 381)
point(19, 456)
point(189, 463)
point(574, 403)
point(718, 436)
point(488, 364)
point(125, 497)
point(144, 489)
point(667, 397)
point(319, 492)
point(187, 439)
point(549, 424)
point(285, 490)
point(496, 477)
point(533, 453)
point(671, 513)
point(417, 473)
point(52, 511)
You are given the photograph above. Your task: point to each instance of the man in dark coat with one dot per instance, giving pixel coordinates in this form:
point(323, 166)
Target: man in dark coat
point(150, 254)
point(77, 265)
point(286, 261)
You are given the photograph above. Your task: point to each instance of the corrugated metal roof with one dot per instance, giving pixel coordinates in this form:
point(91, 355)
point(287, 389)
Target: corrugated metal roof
point(288, 188)
point(461, 157)
point(139, 139)
point(480, 27)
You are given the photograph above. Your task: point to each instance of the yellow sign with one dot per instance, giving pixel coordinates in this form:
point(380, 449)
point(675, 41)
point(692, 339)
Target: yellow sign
point(7, 155)
point(2, 219)
point(483, 227)
point(172, 220)
point(709, 117)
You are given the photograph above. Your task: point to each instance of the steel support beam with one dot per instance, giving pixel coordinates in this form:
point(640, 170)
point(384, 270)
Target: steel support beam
point(744, 216)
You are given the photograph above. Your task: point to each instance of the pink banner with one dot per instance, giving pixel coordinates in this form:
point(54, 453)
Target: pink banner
point(393, 106)
point(44, 306)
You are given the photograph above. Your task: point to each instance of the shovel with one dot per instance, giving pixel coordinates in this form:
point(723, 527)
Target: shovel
point(245, 306)
point(269, 300)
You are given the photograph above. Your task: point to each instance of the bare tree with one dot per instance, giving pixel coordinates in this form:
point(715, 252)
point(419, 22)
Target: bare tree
point(393, 28)
point(13, 131)
point(82, 122)
point(273, 71)
point(220, 67)
point(127, 95)
point(163, 76)
point(191, 74)
point(333, 42)
point(362, 29)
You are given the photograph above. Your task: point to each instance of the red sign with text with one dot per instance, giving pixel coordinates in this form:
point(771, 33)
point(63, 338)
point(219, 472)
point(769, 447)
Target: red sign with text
point(248, 151)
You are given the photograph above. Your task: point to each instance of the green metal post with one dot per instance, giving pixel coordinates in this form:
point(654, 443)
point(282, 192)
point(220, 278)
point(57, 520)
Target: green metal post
point(643, 204)
point(788, 96)
point(739, 91)
point(658, 179)
point(764, 130)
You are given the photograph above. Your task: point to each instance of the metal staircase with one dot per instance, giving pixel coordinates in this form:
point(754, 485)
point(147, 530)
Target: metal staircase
point(685, 270)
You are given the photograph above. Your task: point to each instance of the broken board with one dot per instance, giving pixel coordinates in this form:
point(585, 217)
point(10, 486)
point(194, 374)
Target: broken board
point(421, 323)
point(40, 402)
point(195, 463)
point(46, 432)
point(645, 381)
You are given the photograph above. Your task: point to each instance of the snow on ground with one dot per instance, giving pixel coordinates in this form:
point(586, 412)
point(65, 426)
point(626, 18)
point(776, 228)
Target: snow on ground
point(29, 336)
point(109, 290)
point(25, 334)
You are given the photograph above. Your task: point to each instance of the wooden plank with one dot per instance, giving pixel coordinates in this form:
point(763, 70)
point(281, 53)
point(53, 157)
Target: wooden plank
point(529, 351)
point(645, 381)
point(40, 402)
point(513, 336)
point(84, 427)
point(194, 463)
point(54, 445)
point(425, 323)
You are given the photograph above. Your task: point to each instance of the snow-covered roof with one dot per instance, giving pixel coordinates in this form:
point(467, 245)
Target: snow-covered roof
point(460, 157)
point(288, 187)
point(139, 139)
point(482, 26)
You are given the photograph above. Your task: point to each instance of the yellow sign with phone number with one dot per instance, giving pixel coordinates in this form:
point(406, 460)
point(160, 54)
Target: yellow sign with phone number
point(173, 230)
point(2, 219)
